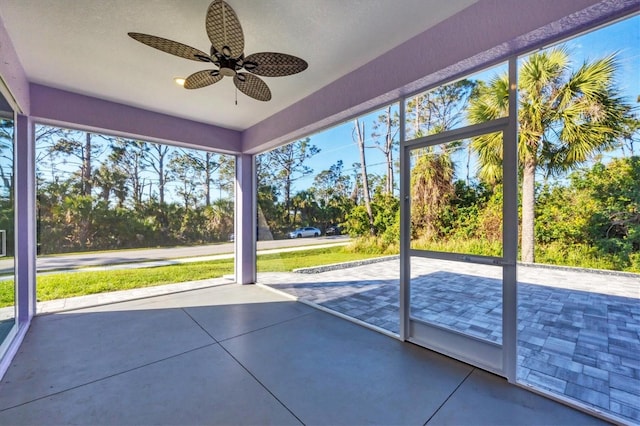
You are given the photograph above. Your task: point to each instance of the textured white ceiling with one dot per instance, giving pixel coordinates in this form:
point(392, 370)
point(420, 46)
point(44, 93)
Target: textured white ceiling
point(82, 46)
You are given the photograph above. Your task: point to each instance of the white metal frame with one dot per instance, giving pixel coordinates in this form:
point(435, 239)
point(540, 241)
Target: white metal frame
point(7, 345)
point(498, 358)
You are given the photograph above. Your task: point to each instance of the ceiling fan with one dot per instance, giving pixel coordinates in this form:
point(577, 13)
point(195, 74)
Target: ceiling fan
point(227, 53)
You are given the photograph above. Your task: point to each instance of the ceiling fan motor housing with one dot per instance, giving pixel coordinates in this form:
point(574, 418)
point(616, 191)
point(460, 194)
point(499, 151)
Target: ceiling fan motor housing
point(228, 66)
point(227, 72)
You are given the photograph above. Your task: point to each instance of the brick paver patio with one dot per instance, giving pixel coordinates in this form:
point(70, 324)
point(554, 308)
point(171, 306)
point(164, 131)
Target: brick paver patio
point(578, 331)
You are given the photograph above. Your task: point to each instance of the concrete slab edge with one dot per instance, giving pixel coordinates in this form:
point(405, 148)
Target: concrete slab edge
point(88, 301)
point(344, 265)
point(331, 311)
point(355, 263)
point(576, 269)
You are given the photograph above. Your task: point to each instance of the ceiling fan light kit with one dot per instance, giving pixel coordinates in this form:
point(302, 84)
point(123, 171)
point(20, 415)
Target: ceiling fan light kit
point(227, 54)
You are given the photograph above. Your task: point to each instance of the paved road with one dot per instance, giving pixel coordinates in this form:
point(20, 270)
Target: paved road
point(46, 263)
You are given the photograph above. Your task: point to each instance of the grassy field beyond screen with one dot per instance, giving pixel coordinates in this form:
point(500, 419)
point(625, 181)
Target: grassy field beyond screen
point(71, 284)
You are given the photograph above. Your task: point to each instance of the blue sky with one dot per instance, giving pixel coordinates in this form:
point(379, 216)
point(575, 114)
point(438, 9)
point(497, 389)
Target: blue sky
point(623, 37)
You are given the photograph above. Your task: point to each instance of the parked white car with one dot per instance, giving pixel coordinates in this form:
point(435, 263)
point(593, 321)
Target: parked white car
point(308, 231)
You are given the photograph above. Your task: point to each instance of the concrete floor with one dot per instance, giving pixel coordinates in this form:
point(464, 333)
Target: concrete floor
point(243, 355)
point(578, 330)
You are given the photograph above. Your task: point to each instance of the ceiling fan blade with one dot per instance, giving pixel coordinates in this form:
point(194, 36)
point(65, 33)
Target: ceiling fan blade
point(224, 29)
point(201, 79)
point(270, 64)
point(172, 47)
point(252, 86)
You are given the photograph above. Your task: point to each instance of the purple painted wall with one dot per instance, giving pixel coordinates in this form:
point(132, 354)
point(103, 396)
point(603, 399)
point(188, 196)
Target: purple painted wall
point(59, 106)
point(48, 104)
point(11, 71)
point(483, 33)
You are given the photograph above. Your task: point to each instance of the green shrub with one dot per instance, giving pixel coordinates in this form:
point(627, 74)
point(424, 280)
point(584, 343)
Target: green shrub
point(373, 245)
point(585, 256)
point(475, 246)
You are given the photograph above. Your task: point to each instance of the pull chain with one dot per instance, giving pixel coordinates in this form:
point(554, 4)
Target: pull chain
point(236, 96)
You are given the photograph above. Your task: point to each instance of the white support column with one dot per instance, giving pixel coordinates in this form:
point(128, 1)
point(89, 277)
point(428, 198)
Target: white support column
point(25, 223)
point(405, 228)
point(245, 219)
point(510, 230)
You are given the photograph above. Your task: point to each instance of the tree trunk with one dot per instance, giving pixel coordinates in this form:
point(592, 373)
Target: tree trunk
point(354, 193)
point(137, 190)
point(287, 200)
point(84, 222)
point(161, 180)
point(528, 212)
point(106, 191)
point(86, 166)
point(389, 154)
point(161, 151)
point(469, 153)
point(207, 177)
point(156, 161)
point(365, 179)
point(416, 120)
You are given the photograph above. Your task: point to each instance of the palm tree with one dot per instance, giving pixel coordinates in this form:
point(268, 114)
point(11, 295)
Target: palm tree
point(305, 203)
point(564, 117)
point(219, 219)
point(432, 189)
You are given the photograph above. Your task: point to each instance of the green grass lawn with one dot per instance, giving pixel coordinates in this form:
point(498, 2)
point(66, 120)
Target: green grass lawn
point(284, 262)
point(62, 285)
